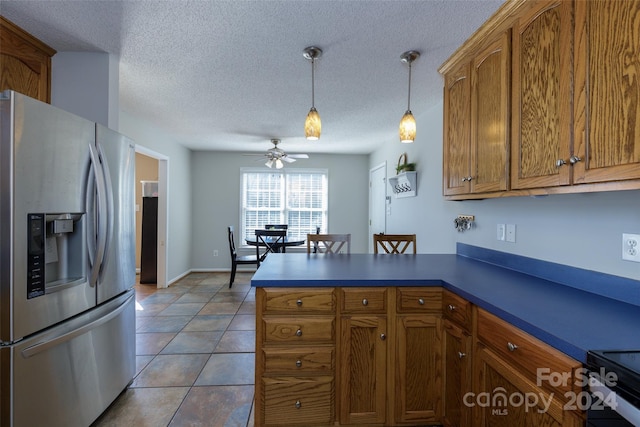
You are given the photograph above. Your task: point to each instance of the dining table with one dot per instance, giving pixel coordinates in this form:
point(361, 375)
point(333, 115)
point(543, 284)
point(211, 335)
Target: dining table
point(289, 240)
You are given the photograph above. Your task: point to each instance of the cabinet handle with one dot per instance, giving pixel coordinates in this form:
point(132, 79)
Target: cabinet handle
point(299, 332)
point(383, 337)
point(365, 302)
point(574, 159)
point(560, 162)
point(451, 307)
point(464, 179)
point(298, 363)
point(298, 404)
point(299, 303)
point(512, 347)
point(469, 178)
point(461, 354)
point(421, 301)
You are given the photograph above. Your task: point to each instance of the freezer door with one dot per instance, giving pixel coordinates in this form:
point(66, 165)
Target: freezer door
point(69, 375)
point(117, 269)
point(45, 164)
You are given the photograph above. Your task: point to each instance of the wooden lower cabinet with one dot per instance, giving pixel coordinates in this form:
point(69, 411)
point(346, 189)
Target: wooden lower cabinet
point(298, 400)
point(363, 364)
point(457, 375)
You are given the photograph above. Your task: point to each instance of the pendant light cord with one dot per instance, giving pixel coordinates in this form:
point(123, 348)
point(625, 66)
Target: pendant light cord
point(313, 84)
point(409, 97)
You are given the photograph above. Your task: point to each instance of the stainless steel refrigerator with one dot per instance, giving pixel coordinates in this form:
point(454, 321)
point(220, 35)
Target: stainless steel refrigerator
point(67, 265)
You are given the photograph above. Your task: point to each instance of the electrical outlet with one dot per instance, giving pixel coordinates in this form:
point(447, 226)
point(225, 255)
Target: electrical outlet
point(631, 247)
point(511, 233)
point(215, 252)
point(501, 231)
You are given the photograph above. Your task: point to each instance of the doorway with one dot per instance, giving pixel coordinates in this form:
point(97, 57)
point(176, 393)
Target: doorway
point(152, 166)
point(377, 201)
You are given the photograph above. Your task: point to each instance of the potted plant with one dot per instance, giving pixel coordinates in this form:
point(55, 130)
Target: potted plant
point(403, 166)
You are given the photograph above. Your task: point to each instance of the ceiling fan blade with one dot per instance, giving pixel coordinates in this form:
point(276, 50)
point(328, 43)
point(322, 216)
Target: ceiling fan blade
point(288, 159)
point(298, 156)
point(254, 154)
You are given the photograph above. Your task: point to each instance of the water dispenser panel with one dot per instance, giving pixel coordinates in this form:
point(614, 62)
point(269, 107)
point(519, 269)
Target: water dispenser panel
point(35, 256)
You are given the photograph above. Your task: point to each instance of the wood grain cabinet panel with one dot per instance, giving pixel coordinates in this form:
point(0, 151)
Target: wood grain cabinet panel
point(457, 375)
point(302, 401)
point(607, 91)
point(25, 62)
point(541, 142)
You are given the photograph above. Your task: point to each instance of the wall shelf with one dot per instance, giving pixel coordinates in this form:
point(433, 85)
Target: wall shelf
point(404, 184)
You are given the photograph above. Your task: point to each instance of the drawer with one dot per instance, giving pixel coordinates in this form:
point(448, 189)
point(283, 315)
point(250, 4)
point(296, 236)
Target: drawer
point(287, 300)
point(298, 401)
point(298, 330)
point(419, 300)
point(456, 309)
point(541, 363)
point(299, 360)
point(364, 300)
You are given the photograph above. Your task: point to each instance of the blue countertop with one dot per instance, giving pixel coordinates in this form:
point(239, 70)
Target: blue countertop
point(567, 315)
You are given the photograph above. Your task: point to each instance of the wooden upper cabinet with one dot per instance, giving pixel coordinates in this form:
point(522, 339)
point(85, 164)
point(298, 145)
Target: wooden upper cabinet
point(607, 91)
point(25, 62)
point(457, 130)
point(490, 79)
point(541, 138)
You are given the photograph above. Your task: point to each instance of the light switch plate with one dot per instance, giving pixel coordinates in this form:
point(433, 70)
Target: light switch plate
point(501, 231)
point(511, 233)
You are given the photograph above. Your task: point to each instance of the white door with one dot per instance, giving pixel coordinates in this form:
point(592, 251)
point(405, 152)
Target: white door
point(377, 201)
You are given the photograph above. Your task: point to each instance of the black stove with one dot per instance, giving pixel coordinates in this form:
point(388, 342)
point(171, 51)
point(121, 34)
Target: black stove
point(615, 371)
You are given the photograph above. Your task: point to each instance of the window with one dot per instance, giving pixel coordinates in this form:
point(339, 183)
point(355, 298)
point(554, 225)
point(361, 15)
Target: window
point(296, 197)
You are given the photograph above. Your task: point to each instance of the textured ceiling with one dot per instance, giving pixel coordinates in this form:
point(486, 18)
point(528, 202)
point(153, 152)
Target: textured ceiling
point(230, 75)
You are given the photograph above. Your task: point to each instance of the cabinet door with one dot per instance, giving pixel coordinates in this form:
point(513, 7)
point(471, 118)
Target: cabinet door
point(504, 397)
point(490, 79)
point(363, 364)
point(418, 390)
point(541, 133)
point(457, 375)
point(607, 91)
point(457, 131)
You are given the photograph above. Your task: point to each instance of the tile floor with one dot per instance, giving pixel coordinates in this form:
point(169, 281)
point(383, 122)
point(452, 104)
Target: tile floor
point(195, 348)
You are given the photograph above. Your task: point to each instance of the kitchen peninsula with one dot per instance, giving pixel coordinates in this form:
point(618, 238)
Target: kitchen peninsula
point(369, 339)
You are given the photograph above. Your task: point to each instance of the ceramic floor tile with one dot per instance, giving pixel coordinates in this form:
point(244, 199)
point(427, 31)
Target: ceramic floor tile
point(143, 407)
point(182, 309)
point(247, 307)
point(243, 322)
point(142, 362)
point(239, 287)
point(228, 369)
point(160, 299)
point(144, 310)
point(205, 288)
point(209, 322)
point(220, 308)
point(152, 343)
point(193, 342)
point(195, 296)
point(171, 370)
point(162, 323)
point(237, 342)
point(226, 406)
point(228, 297)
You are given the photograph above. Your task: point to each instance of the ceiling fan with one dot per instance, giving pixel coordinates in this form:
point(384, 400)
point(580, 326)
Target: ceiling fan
point(276, 156)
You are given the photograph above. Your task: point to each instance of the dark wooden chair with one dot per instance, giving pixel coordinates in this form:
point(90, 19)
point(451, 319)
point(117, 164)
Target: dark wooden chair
point(238, 259)
point(270, 241)
point(393, 243)
point(329, 243)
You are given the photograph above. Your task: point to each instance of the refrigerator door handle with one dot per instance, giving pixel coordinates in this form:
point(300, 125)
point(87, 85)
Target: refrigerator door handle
point(109, 206)
point(101, 214)
point(44, 346)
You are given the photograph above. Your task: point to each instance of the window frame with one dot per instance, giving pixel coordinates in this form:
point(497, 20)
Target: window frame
point(284, 211)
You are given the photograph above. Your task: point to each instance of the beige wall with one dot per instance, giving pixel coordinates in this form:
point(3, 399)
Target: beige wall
point(146, 170)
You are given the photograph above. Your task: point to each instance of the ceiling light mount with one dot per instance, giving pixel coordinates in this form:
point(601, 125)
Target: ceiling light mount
point(312, 125)
point(407, 127)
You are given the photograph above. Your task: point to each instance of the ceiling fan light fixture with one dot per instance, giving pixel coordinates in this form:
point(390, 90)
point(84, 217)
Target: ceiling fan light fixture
point(269, 163)
point(407, 128)
point(279, 164)
point(312, 125)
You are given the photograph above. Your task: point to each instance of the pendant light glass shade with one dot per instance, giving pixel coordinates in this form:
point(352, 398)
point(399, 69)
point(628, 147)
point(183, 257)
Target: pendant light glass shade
point(312, 125)
point(407, 128)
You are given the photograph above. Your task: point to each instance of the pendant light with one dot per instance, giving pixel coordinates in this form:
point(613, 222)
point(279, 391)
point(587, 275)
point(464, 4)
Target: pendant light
point(408, 123)
point(312, 125)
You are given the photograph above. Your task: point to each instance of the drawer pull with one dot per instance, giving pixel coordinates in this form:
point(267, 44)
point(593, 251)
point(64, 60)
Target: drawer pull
point(298, 363)
point(299, 332)
point(512, 347)
point(461, 354)
point(451, 307)
point(420, 301)
point(365, 302)
point(298, 404)
point(383, 337)
point(299, 303)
